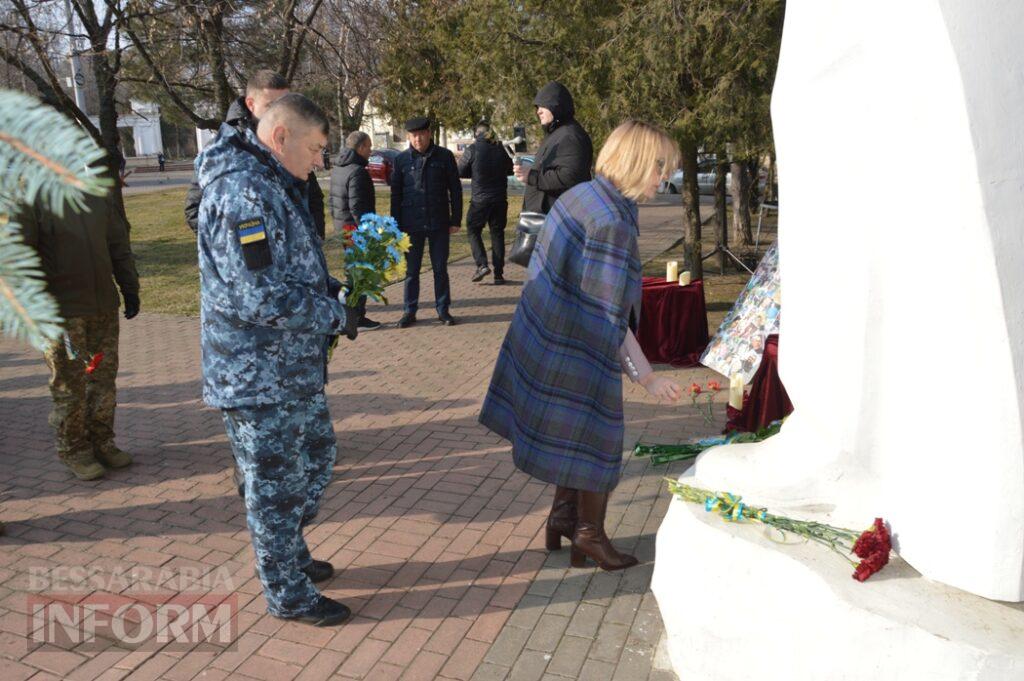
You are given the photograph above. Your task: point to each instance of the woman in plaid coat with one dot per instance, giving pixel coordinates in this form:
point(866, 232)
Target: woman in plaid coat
point(556, 393)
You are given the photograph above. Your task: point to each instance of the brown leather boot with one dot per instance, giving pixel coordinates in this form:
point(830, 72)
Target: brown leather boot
point(590, 539)
point(562, 520)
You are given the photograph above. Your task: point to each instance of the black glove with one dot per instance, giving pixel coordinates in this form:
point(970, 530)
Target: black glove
point(351, 329)
point(333, 287)
point(131, 304)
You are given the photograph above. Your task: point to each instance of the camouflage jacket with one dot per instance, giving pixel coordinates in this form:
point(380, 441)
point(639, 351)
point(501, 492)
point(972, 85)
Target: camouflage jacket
point(266, 311)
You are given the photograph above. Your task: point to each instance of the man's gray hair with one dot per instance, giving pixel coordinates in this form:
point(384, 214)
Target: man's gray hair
point(296, 107)
point(356, 139)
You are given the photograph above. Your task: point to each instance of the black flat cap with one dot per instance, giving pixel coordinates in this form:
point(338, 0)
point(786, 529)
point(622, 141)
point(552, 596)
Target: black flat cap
point(417, 123)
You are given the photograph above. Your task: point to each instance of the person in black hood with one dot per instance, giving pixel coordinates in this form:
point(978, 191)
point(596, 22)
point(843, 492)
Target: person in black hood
point(353, 196)
point(563, 159)
point(486, 162)
point(263, 89)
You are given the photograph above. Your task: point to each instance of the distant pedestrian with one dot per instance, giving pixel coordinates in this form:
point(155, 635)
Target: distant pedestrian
point(84, 253)
point(556, 393)
point(160, 159)
point(487, 163)
point(426, 200)
point(563, 159)
point(353, 196)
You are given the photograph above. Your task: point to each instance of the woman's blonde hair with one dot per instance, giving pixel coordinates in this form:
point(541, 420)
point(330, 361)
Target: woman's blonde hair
point(631, 152)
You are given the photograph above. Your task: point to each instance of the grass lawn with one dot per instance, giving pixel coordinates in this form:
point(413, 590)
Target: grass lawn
point(165, 248)
point(720, 290)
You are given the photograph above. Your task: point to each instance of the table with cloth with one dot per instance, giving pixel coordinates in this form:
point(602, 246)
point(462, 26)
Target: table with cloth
point(673, 322)
point(766, 400)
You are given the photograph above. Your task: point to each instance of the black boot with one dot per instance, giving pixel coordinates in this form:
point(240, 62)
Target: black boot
point(326, 613)
point(319, 571)
point(590, 538)
point(562, 519)
point(239, 482)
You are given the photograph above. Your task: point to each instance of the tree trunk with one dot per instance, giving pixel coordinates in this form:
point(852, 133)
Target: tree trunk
point(213, 29)
point(106, 86)
point(771, 185)
point(692, 251)
point(721, 224)
point(754, 174)
point(741, 204)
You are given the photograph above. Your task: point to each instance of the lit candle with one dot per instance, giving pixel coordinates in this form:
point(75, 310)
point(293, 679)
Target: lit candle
point(736, 392)
point(685, 278)
point(672, 270)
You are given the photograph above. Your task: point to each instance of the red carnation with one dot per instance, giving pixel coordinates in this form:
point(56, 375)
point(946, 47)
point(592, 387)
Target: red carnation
point(872, 547)
point(94, 362)
point(714, 385)
point(694, 389)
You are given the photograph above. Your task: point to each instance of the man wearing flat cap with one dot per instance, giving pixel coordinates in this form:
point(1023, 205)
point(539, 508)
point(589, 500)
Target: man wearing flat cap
point(426, 200)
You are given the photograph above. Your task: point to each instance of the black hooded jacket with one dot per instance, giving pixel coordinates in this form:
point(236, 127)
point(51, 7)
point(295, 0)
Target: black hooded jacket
point(565, 156)
point(487, 163)
point(241, 118)
point(352, 193)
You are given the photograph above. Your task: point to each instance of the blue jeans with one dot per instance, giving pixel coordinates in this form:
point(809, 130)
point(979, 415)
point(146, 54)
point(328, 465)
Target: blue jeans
point(439, 242)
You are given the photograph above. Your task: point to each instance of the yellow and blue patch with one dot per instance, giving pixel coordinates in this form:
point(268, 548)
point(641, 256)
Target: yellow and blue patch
point(251, 231)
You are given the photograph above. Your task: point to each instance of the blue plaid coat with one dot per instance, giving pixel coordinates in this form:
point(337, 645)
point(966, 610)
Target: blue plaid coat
point(556, 393)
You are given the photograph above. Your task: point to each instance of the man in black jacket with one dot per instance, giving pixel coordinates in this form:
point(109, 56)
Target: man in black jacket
point(263, 89)
point(353, 196)
point(426, 200)
point(563, 159)
point(487, 163)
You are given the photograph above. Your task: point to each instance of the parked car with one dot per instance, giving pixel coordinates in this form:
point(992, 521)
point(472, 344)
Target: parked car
point(705, 180)
point(380, 163)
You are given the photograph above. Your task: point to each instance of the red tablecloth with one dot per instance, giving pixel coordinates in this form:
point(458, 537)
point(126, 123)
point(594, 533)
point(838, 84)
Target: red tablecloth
point(767, 400)
point(673, 322)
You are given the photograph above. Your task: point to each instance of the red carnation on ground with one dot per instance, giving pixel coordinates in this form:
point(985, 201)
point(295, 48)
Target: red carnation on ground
point(872, 547)
point(714, 385)
point(94, 362)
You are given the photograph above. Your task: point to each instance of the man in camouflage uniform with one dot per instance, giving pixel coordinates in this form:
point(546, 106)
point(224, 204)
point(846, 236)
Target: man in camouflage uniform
point(269, 311)
point(83, 252)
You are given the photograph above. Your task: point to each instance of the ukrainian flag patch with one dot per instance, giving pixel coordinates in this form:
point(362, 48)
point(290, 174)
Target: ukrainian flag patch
point(251, 231)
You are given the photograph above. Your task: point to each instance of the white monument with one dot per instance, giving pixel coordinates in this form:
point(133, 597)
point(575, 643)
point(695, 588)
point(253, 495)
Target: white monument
point(899, 140)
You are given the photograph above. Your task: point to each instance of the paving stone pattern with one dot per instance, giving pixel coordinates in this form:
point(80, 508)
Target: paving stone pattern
point(437, 537)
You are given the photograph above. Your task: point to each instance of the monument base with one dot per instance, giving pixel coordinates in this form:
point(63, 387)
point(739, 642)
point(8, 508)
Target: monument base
point(739, 605)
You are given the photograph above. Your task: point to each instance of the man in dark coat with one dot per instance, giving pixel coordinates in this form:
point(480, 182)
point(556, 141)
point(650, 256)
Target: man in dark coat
point(486, 162)
point(563, 159)
point(83, 253)
point(353, 196)
point(262, 90)
point(426, 200)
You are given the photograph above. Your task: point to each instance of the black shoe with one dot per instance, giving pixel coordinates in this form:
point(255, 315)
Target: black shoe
point(367, 323)
point(499, 280)
point(446, 319)
point(481, 272)
point(239, 482)
point(319, 571)
point(326, 613)
point(407, 320)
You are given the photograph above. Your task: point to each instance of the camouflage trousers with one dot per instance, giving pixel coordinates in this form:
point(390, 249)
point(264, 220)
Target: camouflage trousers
point(84, 403)
point(286, 452)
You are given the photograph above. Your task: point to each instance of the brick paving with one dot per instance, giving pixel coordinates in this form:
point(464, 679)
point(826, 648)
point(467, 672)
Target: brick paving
point(436, 536)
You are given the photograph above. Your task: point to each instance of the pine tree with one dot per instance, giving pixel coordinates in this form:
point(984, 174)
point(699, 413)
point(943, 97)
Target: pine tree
point(45, 160)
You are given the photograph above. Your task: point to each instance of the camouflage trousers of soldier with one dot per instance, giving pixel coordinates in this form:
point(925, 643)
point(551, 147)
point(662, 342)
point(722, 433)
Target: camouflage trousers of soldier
point(84, 403)
point(286, 452)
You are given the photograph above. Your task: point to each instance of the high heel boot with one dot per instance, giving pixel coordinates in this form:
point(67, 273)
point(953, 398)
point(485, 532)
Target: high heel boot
point(562, 520)
point(590, 538)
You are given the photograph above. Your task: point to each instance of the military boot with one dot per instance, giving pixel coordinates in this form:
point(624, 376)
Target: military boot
point(110, 456)
point(84, 466)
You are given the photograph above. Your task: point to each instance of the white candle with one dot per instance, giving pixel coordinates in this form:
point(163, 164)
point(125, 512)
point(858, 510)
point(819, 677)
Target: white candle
point(736, 392)
point(672, 270)
point(685, 278)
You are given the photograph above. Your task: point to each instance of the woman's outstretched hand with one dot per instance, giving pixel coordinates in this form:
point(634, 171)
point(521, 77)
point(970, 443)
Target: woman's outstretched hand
point(662, 388)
